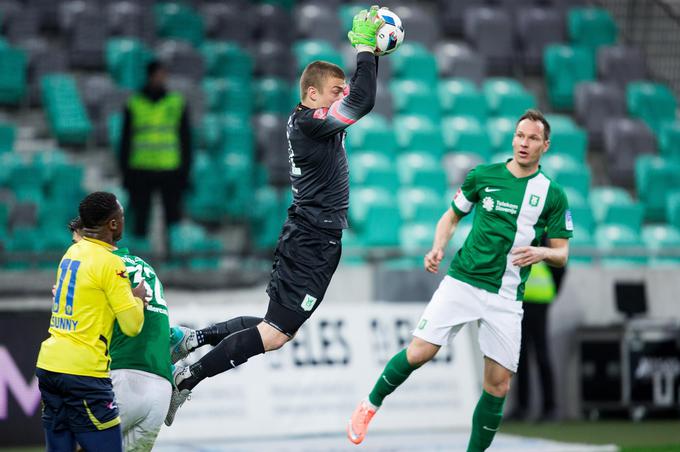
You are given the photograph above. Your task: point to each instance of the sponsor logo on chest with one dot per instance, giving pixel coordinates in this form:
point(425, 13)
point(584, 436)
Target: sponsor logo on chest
point(489, 204)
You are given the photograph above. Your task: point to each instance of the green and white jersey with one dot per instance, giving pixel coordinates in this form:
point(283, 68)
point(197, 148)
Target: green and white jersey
point(150, 349)
point(510, 212)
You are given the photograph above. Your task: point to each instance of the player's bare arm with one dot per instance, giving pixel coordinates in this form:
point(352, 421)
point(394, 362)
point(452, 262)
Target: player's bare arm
point(445, 229)
point(555, 254)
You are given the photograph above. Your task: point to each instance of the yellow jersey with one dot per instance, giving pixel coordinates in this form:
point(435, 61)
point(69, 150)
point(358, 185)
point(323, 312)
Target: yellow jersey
point(92, 287)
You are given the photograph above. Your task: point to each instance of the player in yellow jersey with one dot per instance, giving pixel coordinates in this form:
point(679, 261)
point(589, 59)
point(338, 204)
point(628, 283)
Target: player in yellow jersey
point(92, 290)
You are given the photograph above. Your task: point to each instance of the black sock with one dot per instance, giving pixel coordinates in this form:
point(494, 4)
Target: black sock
point(215, 333)
point(233, 351)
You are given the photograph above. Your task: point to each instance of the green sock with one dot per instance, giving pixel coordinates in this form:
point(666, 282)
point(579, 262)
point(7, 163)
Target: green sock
point(395, 373)
point(485, 421)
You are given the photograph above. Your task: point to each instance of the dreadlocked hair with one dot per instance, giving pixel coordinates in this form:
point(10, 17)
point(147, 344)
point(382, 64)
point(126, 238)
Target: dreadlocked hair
point(96, 208)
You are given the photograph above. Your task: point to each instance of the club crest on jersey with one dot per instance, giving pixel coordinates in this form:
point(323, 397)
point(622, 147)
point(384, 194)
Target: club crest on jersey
point(308, 303)
point(534, 200)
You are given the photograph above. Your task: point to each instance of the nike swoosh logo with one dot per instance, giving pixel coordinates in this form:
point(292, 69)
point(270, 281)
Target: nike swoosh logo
point(489, 429)
point(232, 363)
point(490, 190)
point(388, 381)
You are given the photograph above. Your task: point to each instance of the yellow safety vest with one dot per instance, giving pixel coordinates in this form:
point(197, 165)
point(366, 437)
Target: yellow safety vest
point(155, 143)
point(540, 287)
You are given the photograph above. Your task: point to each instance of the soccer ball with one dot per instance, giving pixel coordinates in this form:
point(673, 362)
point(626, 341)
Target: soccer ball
point(390, 35)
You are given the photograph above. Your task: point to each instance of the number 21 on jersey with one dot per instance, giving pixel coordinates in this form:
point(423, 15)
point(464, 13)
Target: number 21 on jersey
point(66, 266)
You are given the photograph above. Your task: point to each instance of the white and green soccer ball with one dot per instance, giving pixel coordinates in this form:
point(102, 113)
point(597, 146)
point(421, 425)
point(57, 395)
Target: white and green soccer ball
point(390, 36)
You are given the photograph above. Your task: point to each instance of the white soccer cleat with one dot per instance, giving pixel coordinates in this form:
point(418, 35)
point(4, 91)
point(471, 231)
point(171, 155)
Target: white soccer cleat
point(182, 342)
point(179, 396)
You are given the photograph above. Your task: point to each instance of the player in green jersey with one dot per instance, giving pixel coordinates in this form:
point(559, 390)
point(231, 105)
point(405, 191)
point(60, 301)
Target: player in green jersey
point(515, 206)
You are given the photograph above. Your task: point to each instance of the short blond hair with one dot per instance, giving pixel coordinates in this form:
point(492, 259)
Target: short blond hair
point(315, 73)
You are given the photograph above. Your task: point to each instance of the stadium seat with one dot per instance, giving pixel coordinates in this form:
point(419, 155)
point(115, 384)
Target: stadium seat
point(126, 61)
point(64, 108)
point(187, 238)
point(669, 140)
point(414, 61)
point(176, 20)
point(7, 134)
point(620, 65)
point(420, 205)
point(272, 95)
point(458, 60)
point(490, 31)
point(623, 243)
point(577, 179)
point(564, 67)
point(624, 140)
point(23, 25)
point(418, 169)
point(226, 59)
point(501, 131)
point(536, 28)
point(373, 169)
point(316, 20)
point(507, 97)
point(228, 21)
point(268, 215)
point(228, 95)
point(450, 14)
point(596, 102)
point(664, 243)
point(414, 97)
point(655, 177)
point(418, 132)
point(308, 50)
point(566, 138)
point(272, 147)
point(373, 133)
point(238, 136)
point(591, 27)
point(460, 97)
point(183, 59)
point(673, 208)
point(420, 24)
point(415, 239)
point(458, 164)
point(611, 205)
point(466, 134)
point(86, 40)
point(273, 23)
point(375, 217)
point(273, 58)
point(654, 103)
point(127, 18)
point(12, 76)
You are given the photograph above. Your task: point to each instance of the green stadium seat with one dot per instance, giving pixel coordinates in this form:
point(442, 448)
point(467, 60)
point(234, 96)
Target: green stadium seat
point(285, 4)
point(308, 50)
point(375, 217)
point(621, 245)
point(414, 61)
point(554, 163)
point(582, 244)
point(655, 177)
point(567, 138)
point(654, 103)
point(565, 67)
point(13, 62)
point(272, 95)
point(591, 27)
point(176, 20)
point(419, 132)
point(460, 97)
point(347, 11)
point(268, 215)
point(374, 133)
point(673, 208)
point(188, 238)
point(501, 131)
point(375, 169)
point(669, 140)
point(228, 95)
point(226, 59)
point(507, 97)
point(415, 97)
point(114, 128)
point(466, 134)
point(415, 239)
point(66, 113)
point(664, 243)
point(419, 169)
point(420, 205)
point(603, 198)
point(462, 231)
point(211, 130)
point(7, 134)
point(576, 179)
point(126, 61)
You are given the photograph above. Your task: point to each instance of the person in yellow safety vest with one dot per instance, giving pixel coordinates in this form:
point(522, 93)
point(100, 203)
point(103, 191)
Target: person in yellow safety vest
point(540, 290)
point(155, 150)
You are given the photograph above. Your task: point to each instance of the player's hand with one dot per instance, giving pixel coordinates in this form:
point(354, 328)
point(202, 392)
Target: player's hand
point(143, 291)
point(527, 255)
point(365, 26)
point(433, 259)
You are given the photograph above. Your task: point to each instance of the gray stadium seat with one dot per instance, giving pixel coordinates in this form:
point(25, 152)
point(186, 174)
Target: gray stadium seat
point(181, 59)
point(101, 97)
point(273, 58)
point(49, 12)
point(490, 31)
point(458, 164)
point(42, 59)
point(273, 23)
point(624, 140)
point(272, 148)
point(456, 59)
point(419, 24)
point(450, 15)
point(537, 27)
point(69, 12)
point(192, 92)
point(620, 64)
point(130, 19)
point(230, 21)
point(24, 25)
point(87, 39)
point(383, 100)
point(594, 104)
point(318, 21)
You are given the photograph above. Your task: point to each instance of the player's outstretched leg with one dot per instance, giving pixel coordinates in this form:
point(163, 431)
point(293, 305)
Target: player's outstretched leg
point(184, 340)
point(395, 373)
point(488, 414)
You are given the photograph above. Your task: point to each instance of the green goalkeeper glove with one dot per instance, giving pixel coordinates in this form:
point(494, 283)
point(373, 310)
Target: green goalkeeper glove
point(365, 26)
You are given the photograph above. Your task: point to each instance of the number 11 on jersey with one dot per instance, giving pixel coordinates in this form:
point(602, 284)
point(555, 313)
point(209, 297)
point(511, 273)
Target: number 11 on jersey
point(64, 267)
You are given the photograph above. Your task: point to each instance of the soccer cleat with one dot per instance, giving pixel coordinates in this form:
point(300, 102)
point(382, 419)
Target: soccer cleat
point(182, 342)
point(179, 396)
point(358, 424)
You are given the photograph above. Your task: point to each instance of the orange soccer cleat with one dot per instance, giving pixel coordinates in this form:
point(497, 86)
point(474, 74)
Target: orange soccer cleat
point(358, 424)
